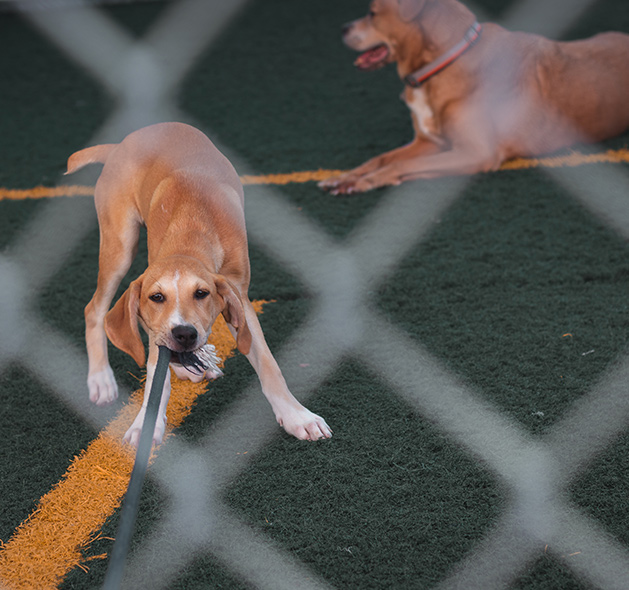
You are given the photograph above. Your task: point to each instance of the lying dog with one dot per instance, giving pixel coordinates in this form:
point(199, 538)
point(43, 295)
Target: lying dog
point(480, 95)
point(172, 179)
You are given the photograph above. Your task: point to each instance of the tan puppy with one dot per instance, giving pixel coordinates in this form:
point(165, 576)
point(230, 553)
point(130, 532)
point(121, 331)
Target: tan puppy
point(172, 179)
point(481, 95)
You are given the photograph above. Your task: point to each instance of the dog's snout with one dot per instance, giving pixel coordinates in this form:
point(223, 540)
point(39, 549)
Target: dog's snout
point(186, 336)
point(347, 28)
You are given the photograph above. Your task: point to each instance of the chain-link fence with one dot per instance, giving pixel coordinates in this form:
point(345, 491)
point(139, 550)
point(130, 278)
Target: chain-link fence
point(342, 323)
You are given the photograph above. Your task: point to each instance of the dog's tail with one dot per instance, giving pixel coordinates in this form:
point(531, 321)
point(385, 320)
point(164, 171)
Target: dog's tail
point(90, 155)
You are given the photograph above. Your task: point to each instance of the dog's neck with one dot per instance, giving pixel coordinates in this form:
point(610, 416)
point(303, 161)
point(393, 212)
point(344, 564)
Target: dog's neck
point(446, 29)
point(419, 76)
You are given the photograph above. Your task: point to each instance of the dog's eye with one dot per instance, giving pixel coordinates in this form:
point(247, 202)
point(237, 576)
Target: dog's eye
point(372, 13)
point(157, 298)
point(201, 294)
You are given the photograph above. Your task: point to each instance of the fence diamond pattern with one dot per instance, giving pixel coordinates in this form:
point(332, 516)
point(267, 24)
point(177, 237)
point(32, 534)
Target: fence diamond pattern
point(539, 512)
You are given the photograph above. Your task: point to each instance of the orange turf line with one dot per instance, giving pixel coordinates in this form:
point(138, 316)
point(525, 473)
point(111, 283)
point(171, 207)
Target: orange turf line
point(45, 192)
point(570, 160)
point(54, 539)
point(298, 177)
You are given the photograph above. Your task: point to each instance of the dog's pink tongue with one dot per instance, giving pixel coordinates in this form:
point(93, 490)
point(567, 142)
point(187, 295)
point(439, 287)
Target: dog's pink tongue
point(372, 58)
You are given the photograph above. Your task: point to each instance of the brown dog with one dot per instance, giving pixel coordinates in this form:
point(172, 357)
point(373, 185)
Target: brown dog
point(172, 179)
point(482, 95)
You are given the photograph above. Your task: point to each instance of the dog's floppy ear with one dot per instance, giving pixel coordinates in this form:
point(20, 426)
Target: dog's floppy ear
point(410, 9)
point(121, 323)
point(234, 313)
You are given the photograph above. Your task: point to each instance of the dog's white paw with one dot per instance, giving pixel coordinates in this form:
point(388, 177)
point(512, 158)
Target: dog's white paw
point(337, 185)
point(132, 436)
point(304, 425)
point(102, 387)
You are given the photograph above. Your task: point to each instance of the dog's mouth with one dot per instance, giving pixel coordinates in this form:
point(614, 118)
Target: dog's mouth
point(190, 360)
point(198, 361)
point(373, 59)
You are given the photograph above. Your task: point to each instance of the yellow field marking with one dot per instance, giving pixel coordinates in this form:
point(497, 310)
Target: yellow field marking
point(54, 538)
point(297, 177)
point(572, 159)
point(45, 192)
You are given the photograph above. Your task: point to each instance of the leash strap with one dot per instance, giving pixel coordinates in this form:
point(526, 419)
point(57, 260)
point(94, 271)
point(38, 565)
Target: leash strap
point(113, 578)
point(417, 78)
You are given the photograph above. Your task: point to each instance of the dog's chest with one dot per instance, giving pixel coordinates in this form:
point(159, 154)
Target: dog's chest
point(422, 113)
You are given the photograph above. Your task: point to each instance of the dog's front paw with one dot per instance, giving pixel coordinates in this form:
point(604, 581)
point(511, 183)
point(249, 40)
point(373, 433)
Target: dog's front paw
point(304, 425)
point(354, 183)
point(102, 387)
point(339, 185)
point(132, 436)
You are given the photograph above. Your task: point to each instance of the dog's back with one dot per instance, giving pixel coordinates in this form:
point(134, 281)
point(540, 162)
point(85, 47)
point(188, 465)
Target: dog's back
point(168, 145)
point(532, 85)
point(162, 154)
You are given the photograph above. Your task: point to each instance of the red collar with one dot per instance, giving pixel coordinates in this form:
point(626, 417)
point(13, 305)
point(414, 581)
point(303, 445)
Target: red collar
point(418, 77)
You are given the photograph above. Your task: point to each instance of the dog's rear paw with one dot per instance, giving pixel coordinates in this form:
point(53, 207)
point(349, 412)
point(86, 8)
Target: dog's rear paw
point(102, 387)
point(305, 425)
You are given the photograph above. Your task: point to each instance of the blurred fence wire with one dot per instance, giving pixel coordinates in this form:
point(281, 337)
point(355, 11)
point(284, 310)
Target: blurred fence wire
point(143, 75)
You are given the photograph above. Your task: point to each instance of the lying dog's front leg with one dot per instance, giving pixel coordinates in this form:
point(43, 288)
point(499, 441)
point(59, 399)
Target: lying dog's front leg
point(455, 162)
point(289, 413)
point(352, 181)
point(132, 435)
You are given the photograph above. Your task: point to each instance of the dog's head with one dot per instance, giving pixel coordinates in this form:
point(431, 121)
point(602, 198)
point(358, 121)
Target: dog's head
point(177, 303)
point(386, 33)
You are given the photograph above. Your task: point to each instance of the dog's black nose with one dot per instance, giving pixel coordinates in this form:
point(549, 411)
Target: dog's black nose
point(186, 336)
point(345, 28)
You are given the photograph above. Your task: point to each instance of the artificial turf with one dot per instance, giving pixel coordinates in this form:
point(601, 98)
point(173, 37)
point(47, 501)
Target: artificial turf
point(518, 290)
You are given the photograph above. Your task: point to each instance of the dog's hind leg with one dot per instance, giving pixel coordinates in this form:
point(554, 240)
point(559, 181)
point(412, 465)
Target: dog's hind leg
point(348, 182)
